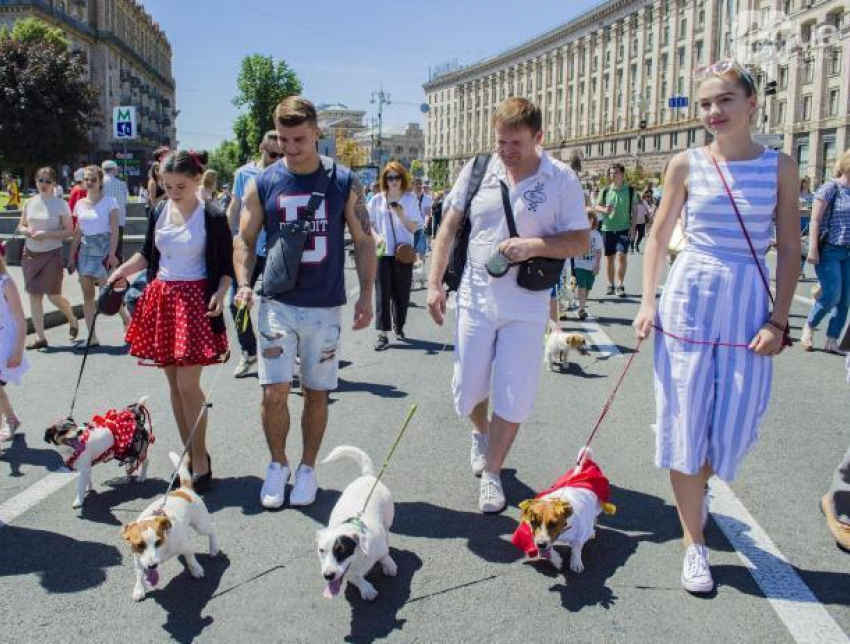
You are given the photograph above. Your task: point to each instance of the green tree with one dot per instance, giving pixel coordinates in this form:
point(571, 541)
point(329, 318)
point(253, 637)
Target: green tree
point(263, 82)
point(438, 172)
point(225, 160)
point(416, 168)
point(47, 107)
point(32, 31)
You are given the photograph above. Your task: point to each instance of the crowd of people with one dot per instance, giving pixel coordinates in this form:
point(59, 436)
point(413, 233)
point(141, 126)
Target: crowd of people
point(204, 251)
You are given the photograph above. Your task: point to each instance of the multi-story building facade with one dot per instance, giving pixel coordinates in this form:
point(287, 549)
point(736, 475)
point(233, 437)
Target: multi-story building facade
point(387, 144)
point(128, 58)
point(605, 81)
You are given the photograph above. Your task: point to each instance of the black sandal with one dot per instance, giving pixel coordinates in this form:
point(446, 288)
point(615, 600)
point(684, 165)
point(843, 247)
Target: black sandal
point(203, 482)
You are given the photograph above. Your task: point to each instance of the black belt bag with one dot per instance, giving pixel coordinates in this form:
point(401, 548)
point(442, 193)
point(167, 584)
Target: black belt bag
point(283, 258)
point(537, 273)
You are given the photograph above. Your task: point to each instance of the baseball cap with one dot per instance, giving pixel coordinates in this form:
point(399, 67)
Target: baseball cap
point(78, 174)
point(109, 164)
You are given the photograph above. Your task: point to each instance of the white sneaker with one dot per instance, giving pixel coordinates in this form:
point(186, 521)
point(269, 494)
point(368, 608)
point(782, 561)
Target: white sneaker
point(696, 575)
point(244, 366)
point(7, 429)
point(271, 496)
point(831, 346)
point(491, 498)
point(478, 453)
point(305, 488)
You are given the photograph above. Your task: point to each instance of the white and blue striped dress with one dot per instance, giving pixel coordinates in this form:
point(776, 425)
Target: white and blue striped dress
point(710, 399)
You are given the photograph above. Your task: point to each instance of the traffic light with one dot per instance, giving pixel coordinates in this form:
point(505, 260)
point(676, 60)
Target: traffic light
point(770, 89)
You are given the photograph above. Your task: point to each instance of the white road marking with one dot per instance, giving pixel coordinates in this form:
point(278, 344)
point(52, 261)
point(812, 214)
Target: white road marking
point(598, 337)
point(33, 495)
point(793, 601)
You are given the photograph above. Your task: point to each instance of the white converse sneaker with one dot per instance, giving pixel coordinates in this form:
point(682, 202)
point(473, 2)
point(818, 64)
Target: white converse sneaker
point(696, 575)
point(305, 488)
point(244, 366)
point(478, 453)
point(271, 496)
point(491, 498)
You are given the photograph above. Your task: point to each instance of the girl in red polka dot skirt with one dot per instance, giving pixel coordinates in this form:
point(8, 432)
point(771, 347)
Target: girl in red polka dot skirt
point(178, 324)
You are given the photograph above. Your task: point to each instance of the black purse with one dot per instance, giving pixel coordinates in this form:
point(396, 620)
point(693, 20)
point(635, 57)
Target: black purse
point(285, 249)
point(823, 232)
point(536, 273)
point(460, 244)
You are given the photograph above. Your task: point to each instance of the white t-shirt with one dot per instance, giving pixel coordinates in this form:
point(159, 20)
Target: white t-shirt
point(588, 262)
point(425, 205)
point(545, 204)
point(45, 214)
point(181, 247)
point(385, 223)
point(94, 220)
point(644, 210)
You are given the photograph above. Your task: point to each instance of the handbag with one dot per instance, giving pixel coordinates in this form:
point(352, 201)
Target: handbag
point(283, 258)
point(13, 250)
point(536, 273)
point(786, 334)
point(404, 253)
point(460, 244)
point(823, 232)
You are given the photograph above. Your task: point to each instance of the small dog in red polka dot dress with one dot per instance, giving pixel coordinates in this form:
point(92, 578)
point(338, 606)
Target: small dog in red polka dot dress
point(118, 434)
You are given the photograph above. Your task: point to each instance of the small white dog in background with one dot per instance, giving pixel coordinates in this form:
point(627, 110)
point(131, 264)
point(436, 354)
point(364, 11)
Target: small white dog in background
point(559, 344)
point(419, 273)
point(162, 532)
point(353, 543)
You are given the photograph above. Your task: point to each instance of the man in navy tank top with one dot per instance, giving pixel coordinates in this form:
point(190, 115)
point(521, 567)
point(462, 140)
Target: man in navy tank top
point(304, 322)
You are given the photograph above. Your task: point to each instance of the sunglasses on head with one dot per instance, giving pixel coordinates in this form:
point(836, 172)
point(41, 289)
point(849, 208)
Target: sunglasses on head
point(43, 180)
point(393, 177)
point(722, 67)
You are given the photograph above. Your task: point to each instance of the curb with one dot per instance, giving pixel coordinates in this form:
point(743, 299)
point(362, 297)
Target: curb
point(55, 318)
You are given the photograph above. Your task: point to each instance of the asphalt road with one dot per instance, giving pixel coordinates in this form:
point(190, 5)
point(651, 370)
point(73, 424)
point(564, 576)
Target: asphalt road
point(66, 576)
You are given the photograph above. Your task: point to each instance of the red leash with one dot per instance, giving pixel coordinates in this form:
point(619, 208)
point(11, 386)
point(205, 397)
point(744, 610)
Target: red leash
point(700, 342)
point(610, 400)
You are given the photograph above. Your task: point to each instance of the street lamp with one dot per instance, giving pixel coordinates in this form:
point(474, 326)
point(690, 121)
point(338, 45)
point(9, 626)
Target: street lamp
point(381, 98)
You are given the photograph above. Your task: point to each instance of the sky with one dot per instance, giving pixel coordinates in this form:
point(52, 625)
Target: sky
point(343, 52)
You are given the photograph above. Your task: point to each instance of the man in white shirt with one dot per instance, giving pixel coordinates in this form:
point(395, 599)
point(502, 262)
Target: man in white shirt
point(500, 326)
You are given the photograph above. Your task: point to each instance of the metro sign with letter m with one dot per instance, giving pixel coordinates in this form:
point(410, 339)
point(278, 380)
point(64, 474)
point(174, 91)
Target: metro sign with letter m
point(124, 122)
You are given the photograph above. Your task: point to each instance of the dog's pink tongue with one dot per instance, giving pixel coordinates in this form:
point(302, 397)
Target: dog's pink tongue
point(332, 589)
point(152, 575)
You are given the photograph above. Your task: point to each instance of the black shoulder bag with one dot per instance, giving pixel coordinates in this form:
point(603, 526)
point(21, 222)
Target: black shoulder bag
point(283, 258)
point(537, 273)
point(460, 244)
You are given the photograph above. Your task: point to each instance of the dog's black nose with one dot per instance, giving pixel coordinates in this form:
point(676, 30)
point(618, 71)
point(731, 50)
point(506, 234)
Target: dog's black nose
point(153, 567)
point(542, 546)
point(328, 576)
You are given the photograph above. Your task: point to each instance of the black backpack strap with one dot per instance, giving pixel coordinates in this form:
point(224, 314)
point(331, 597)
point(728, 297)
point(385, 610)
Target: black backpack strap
point(509, 211)
point(479, 169)
point(321, 188)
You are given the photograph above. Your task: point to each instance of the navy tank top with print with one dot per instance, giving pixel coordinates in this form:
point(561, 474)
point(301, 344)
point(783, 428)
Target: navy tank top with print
point(284, 196)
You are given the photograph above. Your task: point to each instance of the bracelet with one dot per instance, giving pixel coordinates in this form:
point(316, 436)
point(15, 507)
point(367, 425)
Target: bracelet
point(245, 285)
point(776, 325)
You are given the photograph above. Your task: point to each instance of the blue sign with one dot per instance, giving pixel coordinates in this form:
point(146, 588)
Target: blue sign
point(677, 101)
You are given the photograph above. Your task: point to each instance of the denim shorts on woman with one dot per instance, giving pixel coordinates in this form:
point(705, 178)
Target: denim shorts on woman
point(94, 252)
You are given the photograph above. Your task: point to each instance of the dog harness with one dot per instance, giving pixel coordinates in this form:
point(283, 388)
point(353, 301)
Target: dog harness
point(123, 425)
point(587, 476)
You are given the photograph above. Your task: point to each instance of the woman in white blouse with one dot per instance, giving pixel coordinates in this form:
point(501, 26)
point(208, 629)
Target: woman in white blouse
point(45, 223)
point(96, 239)
point(395, 216)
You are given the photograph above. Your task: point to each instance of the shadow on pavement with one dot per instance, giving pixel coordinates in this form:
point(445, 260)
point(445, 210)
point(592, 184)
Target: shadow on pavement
point(236, 492)
point(577, 370)
point(63, 564)
point(101, 505)
point(378, 619)
point(185, 598)
point(430, 348)
point(374, 388)
point(18, 453)
point(829, 588)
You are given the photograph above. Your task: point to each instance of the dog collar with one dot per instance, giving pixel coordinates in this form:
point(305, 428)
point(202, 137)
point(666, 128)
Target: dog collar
point(357, 522)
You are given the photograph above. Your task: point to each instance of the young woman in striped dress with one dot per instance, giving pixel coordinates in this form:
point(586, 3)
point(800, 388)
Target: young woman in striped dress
point(717, 333)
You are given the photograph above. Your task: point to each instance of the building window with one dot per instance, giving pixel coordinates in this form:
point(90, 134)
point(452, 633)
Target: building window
point(833, 101)
point(701, 18)
point(680, 86)
point(779, 119)
point(601, 148)
point(698, 49)
point(681, 54)
point(783, 77)
point(808, 71)
point(665, 36)
point(803, 156)
point(788, 7)
point(683, 28)
point(648, 67)
point(674, 140)
point(649, 40)
point(648, 14)
point(807, 108)
point(833, 62)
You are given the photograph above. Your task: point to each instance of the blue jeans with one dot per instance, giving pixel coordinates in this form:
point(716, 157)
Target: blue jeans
point(833, 271)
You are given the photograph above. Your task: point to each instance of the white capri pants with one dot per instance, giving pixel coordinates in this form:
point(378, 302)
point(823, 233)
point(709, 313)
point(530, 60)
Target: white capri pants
point(504, 353)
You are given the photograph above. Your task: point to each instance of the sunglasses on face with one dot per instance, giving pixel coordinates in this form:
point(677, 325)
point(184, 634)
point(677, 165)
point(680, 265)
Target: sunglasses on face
point(274, 155)
point(393, 177)
point(44, 180)
point(90, 179)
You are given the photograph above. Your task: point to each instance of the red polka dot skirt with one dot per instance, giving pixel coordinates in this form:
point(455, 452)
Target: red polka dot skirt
point(171, 327)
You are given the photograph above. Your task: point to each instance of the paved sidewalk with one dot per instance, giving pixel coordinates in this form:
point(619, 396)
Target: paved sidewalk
point(52, 317)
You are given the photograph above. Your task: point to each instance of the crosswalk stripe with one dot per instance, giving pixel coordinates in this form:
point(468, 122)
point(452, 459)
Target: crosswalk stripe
point(33, 495)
